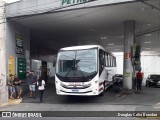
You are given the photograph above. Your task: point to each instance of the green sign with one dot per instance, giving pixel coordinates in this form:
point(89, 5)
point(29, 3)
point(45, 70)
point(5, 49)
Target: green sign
point(133, 50)
point(21, 68)
point(69, 2)
point(137, 67)
point(19, 44)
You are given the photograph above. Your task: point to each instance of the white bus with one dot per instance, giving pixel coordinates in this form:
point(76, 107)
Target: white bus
point(84, 70)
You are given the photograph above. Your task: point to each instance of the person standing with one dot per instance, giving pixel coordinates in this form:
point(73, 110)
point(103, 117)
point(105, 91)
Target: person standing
point(32, 79)
point(11, 86)
point(139, 77)
point(41, 84)
point(17, 83)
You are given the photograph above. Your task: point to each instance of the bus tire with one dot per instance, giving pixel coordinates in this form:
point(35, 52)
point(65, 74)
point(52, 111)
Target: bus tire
point(101, 94)
point(111, 86)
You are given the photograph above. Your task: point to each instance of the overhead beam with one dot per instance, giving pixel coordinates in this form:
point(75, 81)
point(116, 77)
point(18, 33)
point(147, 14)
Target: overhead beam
point(147, 32)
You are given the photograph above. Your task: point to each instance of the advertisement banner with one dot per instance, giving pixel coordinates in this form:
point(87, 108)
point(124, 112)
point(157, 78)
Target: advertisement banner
point(11, 65)
point(127, 56)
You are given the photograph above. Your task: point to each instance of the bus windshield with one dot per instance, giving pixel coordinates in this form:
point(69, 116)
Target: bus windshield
point(77, 63)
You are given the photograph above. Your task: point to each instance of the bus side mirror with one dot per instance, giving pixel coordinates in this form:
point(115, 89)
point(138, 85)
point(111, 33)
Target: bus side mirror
point(54, 61)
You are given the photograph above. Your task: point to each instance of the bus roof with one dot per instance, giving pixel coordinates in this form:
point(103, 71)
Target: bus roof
point(81, 47)
point(84, 47)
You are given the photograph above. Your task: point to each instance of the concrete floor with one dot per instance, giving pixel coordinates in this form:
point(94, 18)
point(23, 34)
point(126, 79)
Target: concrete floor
point(113, 96)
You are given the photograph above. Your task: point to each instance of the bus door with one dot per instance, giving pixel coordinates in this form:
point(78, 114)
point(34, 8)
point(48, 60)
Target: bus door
point(102, 68)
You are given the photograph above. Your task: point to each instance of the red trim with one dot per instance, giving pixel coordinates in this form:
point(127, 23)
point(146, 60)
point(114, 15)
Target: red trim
point(101, 83)
point(101, 89)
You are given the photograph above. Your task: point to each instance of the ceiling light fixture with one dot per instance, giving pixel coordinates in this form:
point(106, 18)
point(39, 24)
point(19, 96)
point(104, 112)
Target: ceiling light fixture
point(148, 35)
point(147, 42)
point(103, 38)
point(147, 48)
point(111, 44)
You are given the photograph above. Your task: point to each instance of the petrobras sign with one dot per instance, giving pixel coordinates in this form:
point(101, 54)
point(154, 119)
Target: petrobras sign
point(13, 10)
point(96, 2)
point(70, 2)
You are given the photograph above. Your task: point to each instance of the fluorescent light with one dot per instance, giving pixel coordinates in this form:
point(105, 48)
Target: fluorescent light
point(111, 44)
point(148, 35)
point(104, 38)
point(147, 48)
point(147, 42)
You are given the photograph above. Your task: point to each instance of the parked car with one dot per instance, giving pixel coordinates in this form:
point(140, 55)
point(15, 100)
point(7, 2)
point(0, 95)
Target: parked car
point(118, 79)
point(153, 80)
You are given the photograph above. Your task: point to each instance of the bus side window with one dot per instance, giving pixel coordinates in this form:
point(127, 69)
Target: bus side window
point(106, 59)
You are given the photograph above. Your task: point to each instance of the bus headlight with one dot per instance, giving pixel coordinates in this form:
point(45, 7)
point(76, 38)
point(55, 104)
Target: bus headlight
point(88, 85)
point(96, 82)
point(62, 84)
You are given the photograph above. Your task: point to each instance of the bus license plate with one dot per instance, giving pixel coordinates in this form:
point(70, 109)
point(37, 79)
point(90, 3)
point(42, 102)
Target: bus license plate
point(75, 84)
point(75, 90)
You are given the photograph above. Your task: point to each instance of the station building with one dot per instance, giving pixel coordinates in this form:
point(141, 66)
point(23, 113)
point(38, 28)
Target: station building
point(32, 32)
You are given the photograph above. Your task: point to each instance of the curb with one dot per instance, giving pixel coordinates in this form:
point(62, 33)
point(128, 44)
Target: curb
point(11, 102)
